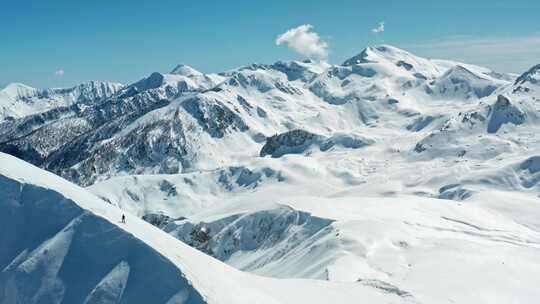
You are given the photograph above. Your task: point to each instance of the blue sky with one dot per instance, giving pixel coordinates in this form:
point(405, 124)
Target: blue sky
point(126, 40)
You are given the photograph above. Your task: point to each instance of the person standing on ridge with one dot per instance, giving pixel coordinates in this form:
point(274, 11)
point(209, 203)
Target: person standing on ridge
point(123, 218)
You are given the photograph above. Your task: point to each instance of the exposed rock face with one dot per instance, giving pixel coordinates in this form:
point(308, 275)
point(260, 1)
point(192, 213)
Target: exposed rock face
point(295, 141)
point(454, 192)
point(300, 141)
point(213, 116)
point(531, 164)
point(531, 76)
point(504, 112)
point(86, 143)
point(75, 142)
point(234, 177)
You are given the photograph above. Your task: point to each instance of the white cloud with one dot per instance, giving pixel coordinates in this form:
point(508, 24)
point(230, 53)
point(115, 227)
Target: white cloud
point(506, 54)
point(379, 28)
point(59, 72)
point(304, 41)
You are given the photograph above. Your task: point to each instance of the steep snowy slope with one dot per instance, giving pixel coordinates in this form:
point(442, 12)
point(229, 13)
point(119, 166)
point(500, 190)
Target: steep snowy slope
point(388, 249)
point(64, 245)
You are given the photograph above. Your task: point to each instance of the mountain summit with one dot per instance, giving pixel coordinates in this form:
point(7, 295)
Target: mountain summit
point(185, 70)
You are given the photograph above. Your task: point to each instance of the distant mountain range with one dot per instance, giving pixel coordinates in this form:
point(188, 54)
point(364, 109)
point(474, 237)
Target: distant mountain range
point(387, 178)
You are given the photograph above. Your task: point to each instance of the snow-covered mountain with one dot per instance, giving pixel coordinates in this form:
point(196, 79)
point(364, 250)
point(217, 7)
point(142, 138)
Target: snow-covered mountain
point(185, 120)
point(18, 100)
point(389, 175)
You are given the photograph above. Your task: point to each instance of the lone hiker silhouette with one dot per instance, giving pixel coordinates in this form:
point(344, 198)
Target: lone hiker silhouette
point(123, 218)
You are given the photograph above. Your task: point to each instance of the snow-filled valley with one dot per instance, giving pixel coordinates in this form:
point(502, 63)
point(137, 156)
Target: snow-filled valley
point(389, 178)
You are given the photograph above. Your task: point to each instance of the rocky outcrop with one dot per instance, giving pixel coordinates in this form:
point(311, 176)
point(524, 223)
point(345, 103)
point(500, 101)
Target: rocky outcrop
point(504, 112)
point(299, 141)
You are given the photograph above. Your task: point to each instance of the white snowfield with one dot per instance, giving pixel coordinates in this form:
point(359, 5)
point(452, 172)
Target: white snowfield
point(61, 244)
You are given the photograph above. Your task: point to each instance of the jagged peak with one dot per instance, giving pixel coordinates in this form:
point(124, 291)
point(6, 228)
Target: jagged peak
point(17, 89)
point(96, 83)
point(153, 81)
point(91, 84)
point(531, 76)
point(95, 88)
point(360, 58)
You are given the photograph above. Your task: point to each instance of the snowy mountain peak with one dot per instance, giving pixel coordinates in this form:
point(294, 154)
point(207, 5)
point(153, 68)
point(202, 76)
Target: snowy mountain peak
point(461, 72)
point(18, 90)
point(389, 57)
point(387, 49)
point(86, 91)
point(304, 70)
point(378, 53)
point(153, 81)
point(360, 58)
point(532, 76)
point(181, 79)
point(185, 70)
point(460, 82)
point(18, 100)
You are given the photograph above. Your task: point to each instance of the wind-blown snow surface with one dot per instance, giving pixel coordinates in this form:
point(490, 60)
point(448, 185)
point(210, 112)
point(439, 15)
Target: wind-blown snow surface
point(485, 249)
point(410, 177)
point(61, 244)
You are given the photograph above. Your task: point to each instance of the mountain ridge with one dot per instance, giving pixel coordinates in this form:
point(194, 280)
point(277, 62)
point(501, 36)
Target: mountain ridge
point(246, 104)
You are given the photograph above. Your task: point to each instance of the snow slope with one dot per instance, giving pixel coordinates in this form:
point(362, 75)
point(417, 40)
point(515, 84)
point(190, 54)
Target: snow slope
point(432, 250)
point(64, 245)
